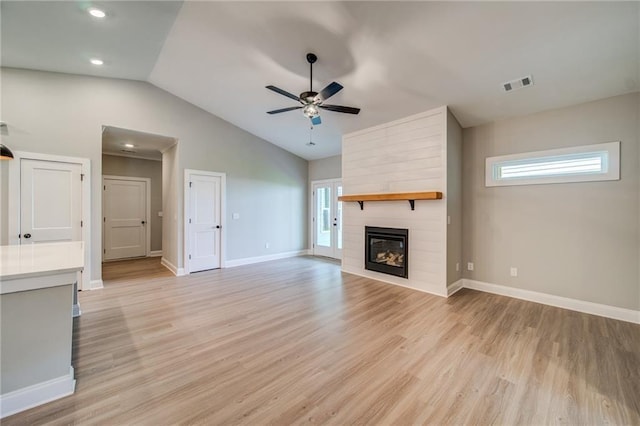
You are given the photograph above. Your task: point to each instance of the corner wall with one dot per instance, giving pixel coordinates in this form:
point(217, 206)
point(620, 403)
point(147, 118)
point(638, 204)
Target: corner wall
point(325, 168)
point(453, 196)
point(574, 240)
point(62, 114)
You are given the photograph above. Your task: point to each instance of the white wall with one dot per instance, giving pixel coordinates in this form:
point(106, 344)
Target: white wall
point(575, 240)
point(454, 199)
point(407, 155)
point(135, 167)
point(325, 168)
point(63, 114)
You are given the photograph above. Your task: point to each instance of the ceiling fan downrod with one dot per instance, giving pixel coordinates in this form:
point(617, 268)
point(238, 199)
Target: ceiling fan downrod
point(311, 58)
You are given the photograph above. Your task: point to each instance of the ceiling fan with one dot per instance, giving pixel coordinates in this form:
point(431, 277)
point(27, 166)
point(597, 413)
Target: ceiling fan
point(311, 101)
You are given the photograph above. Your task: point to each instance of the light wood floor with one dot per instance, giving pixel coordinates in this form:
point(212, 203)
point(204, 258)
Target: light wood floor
point(296, 341)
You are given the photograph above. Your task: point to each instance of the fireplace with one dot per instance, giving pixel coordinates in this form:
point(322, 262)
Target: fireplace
point(386, 250)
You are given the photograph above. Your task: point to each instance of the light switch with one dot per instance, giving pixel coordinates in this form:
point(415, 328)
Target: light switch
point(236, 216)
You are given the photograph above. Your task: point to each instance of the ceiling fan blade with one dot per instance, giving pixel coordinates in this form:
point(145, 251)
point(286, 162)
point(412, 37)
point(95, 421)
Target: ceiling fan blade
point(328, 91)
point(316, 120)
point(339, 108)
point(277, 111)
point(284, 93)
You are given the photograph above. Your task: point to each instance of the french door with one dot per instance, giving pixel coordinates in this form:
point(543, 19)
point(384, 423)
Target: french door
point(327, 218)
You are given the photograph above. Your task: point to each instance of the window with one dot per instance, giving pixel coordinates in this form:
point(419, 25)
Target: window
point(576, 164)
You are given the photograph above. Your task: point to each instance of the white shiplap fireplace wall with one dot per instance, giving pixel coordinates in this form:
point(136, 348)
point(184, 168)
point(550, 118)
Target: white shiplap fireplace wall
point(407, 155)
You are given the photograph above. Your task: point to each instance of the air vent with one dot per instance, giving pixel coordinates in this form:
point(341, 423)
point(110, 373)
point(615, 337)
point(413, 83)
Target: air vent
point(130, 151)
point(519, 83)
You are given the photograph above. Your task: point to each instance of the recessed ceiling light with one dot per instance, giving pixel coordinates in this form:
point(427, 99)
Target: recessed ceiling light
point(129, 145)
point(97, 12)
point(97, 61)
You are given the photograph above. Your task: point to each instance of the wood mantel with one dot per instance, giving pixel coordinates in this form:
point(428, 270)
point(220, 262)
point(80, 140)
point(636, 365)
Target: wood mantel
point(396, 196)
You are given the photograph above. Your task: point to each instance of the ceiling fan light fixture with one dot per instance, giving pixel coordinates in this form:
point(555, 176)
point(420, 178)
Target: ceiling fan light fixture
point(310, 110)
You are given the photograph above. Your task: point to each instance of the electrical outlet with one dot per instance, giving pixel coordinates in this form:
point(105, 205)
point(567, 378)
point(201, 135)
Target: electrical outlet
point(266, 245)
point(514, 272)
point(470, 266)
point(457, 266)
point(448, 220)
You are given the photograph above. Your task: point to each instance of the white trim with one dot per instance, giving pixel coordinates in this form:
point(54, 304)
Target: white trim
point(137, 157)
point(178, 272)
point(96, 285)
point(147, 182)
point(267, 258)
point(155, 253)
point(607, 311)
point(455, 287)
point(223, 216)
point(612, 171)
point(38, 394)
point(14, 202)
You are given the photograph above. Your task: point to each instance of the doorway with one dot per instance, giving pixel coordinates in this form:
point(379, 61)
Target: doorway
point(327, 218)
point(133, 195)
point(126, 203)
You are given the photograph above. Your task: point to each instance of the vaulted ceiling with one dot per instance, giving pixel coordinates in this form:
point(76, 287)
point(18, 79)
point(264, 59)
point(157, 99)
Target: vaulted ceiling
point(393, 58)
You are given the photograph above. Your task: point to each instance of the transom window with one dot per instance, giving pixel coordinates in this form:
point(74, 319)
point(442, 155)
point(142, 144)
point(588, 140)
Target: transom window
point(576, 164)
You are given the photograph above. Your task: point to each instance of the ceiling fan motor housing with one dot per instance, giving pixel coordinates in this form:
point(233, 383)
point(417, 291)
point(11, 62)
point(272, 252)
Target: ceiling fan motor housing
point(309, 97)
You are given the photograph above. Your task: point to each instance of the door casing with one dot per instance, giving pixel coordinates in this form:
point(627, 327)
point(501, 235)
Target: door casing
point(187, 214)
point(14, 204)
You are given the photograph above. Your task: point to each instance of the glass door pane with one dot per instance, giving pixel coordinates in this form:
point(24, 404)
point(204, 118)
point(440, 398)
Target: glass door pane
point(327, 219)
point(322, 233)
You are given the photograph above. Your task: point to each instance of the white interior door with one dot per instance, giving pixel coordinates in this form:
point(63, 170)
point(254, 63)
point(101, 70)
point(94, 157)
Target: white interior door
point(125, 222)
point(50, 201)
point(327, 219)
point(204, 226)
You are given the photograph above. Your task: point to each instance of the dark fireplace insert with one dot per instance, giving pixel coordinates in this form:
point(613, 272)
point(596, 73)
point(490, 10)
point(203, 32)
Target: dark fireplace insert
point(386, 250)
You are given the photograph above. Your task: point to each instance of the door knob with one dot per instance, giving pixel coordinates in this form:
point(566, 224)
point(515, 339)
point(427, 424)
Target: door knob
point(27, 235)
point(217, 226)
point(143, 222)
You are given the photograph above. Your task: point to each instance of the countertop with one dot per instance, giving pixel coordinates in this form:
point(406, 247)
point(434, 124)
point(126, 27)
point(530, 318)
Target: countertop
point(34, 260)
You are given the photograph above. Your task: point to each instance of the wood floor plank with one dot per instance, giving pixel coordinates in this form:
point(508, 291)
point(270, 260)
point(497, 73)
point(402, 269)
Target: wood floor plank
point(296, 341)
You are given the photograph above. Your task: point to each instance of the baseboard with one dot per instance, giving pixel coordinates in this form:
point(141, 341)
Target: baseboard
point(455, 287)
point(249, 260)
point(155, 253)
point(96, 284)
point(178, 272)
point(38, 394)
point(607, 311)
